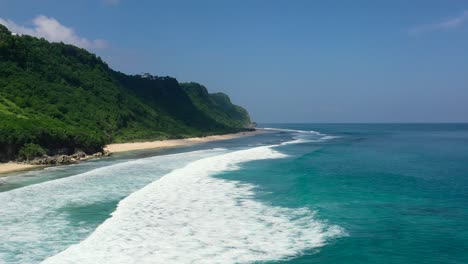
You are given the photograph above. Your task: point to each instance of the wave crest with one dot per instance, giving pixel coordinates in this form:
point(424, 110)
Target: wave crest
point(293, 131)
point(190, 217)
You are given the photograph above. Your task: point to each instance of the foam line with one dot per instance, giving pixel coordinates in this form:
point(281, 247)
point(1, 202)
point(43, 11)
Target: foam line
point(38, 221)
point(293, 131)
point(188, 216)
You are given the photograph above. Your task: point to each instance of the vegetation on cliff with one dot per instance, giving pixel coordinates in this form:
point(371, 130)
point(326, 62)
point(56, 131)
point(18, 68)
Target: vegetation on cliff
point(64, 99)
point(217, 106)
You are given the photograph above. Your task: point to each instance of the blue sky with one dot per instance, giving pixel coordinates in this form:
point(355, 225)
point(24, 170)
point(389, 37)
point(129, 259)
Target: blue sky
point(285, 61)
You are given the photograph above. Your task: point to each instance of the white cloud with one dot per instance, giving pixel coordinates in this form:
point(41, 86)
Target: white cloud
point(52, 30)
point(450, 23)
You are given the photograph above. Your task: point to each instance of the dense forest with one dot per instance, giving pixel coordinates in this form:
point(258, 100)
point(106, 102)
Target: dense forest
point(57, 99)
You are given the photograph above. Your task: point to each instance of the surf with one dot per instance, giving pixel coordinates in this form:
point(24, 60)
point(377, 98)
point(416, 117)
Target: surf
point(190, 216)
point(40, 220)
point(293, 130)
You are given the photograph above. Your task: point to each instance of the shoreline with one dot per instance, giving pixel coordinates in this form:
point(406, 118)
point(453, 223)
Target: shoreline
point(12, 166)
point(16, 167)
point(169, 143)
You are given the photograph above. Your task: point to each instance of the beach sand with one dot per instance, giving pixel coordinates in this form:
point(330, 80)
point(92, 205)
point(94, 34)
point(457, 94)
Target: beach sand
point(13, 166)
point(113, 148)
point(174, 142)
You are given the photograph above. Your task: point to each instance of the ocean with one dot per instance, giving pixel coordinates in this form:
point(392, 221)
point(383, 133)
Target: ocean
point(301, 193)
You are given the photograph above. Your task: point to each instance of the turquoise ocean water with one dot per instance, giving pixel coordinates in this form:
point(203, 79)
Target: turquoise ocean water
point(302, 193)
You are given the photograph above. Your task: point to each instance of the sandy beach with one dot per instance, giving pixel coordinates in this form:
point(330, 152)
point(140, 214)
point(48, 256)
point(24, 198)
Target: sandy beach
point(113, 148)
point(174, 142)
point(13, 166)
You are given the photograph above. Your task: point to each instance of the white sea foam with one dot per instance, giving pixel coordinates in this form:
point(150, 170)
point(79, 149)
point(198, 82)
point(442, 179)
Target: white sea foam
point(293, 131)
point(36, 220)
point(329, 137)
point(296, 141)
point(189, 216)
point(322, 139)
point(300, 140)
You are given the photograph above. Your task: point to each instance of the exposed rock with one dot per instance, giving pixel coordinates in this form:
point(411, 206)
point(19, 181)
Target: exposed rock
point(47, 160)
point(39, 161)
point(79, 155)
point(63, 159)
point(66, 159)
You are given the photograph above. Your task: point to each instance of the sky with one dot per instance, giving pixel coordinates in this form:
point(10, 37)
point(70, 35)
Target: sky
point(283, 60)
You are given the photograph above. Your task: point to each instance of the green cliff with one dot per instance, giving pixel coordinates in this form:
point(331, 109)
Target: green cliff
point(65, 99)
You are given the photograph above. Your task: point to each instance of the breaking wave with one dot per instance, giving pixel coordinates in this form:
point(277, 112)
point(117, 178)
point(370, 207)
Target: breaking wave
point(37, 220)
point(188, 216)
point(293, 130)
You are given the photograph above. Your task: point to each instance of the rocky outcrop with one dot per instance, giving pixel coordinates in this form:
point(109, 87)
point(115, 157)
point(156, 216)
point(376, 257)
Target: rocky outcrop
point(66, 159)
point(79, 155)
point(51, 160)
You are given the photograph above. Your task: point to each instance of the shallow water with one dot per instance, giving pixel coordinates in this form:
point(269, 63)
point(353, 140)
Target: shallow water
point(304, 193)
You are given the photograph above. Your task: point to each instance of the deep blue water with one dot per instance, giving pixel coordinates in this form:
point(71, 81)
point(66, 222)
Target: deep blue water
point(400, 191)
point(397, 193)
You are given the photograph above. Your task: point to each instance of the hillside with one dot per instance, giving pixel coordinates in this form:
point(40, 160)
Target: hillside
point(217, 106)
point(65, 99)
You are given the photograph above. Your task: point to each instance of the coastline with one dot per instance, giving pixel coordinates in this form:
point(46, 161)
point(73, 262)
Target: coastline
point(122, 147)
point(15, 167)
point(11, 166)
